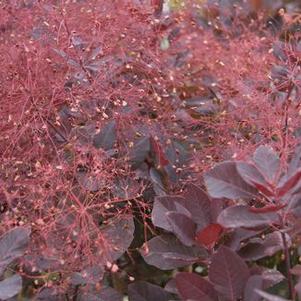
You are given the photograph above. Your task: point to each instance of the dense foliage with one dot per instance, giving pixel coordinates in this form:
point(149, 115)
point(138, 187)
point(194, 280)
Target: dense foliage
point(150, 150)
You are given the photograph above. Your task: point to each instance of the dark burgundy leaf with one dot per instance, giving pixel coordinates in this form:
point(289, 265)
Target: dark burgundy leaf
point(229, 273)
point(296, 270)
point(269, 297)
point(171, 286)
point(241, 216)
point(224, 181)
point(199, 205)
point(255, 281)
point(258, 248)
point(267, 162)
point(166, 252)
point(271, 277)
point(50, 294)
point(106, 294)
point(238, 235)
point(90, 275)
point(13, 244)
point(210, 235)
point(165, 204)
point(118, 236)
point(143, 291)
point(140, 152)
point(90, 181)
point(10, 287)
point(193, 287)
point(182, 226)
point(253, 177)
point(106, 138)
point(289, 184)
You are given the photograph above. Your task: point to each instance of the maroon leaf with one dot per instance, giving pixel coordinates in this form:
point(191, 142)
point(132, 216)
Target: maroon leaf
point(166, 252)
point(289, 184)
point(224, 181)
point(106, 294)
point(267, 162)
point(193, 287)
point(229, 273)
point(143, 291)
point(296, 270)
point(267, 279)
point(106, 138)
point(171, 286)
point(10, 287)
point(118, 236)
point(255, 281)
point(269, 297)
point(258, 248)
point(182, 226)
point(199, 205)
point(241, 216)
point(253, 177)
point(140, 152)
point(13, 244)
point(165, 204)
point(210, 235)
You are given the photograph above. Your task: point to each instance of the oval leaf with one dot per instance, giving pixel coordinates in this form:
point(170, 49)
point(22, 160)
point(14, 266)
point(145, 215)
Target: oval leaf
point(224, 181)
point(241, 216)
point(182, 226)
point(193, 287)
point(166, 252)
point(143, 291)
point(13, 245)
point(10, 287)
point(229, 273)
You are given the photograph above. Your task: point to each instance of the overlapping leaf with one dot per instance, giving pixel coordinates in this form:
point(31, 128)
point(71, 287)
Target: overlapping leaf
point(229, 273)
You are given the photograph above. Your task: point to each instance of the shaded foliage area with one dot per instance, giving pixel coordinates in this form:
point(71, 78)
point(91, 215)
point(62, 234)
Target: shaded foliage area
point(149, 150)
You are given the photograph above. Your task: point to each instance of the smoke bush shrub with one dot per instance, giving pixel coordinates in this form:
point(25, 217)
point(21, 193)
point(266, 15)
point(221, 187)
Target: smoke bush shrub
point(111, 112)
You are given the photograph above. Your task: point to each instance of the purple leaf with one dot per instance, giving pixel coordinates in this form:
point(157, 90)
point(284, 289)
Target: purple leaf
point(106, 138)
point(143, 291)
point(269, 297)
point(224, 181)
point(140, 151)
point(118, 237)
point(253, 177)
point(182, 226)
point(289, 184)
point(255, 281)
point(229, 273)
point(50, 294)
point(10, 287)
point(165, 204)
point(106, 294)
point(267, 279)
point(199, 205)
point(90, 275)
point(13, 244)
point(171, 286)
point(258, 248)
point(267, 162)
point(193, 287)
point(241, 216)
point(166, 252)
point(271, 277)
